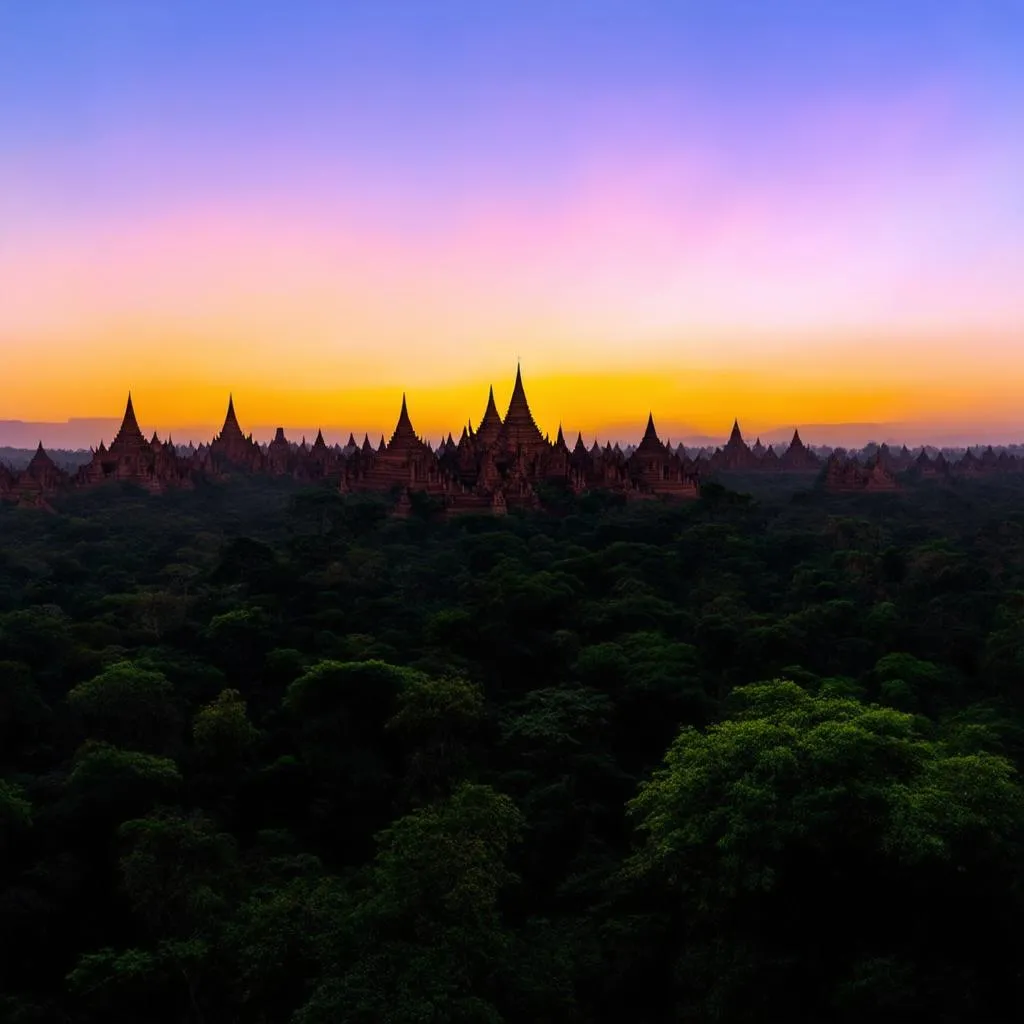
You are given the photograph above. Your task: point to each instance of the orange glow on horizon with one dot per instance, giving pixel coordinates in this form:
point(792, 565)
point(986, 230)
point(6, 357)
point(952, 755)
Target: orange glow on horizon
point(608, 404)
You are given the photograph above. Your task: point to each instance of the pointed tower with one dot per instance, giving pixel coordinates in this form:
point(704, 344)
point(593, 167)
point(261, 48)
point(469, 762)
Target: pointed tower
point(736, 438)
point(231, 432)
point(736, 455)
point(490, 425)
point(41, 475)
point(519, 432)
point(41, 461)
point(798, 458)
point(129, 437)
point(279, 453)
point(650, 443)
point(404, 438)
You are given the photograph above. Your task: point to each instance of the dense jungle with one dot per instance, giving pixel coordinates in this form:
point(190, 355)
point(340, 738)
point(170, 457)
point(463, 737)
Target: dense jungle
point(269, 755)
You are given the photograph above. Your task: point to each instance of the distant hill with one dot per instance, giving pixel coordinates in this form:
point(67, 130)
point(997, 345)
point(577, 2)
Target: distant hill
point(69, 460)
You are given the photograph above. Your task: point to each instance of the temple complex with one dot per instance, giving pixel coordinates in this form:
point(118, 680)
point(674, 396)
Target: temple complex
point(130, 458)
point(504, 462)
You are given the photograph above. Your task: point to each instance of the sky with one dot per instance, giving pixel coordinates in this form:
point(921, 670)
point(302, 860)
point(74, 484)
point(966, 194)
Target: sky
point(797, 213)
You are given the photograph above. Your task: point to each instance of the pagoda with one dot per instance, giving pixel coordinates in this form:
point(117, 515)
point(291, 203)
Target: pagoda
point(519, 436)
point(798, 458)
point(233, 447)
point(40, 478)
point(736, 455)
point(278, 456)
point(132, 458)
point(317, 462)
point(490, 426)
point(653, 469)
point(405, 461)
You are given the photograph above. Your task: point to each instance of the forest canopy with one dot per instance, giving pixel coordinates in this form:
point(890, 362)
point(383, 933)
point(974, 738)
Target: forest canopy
point(270, 755)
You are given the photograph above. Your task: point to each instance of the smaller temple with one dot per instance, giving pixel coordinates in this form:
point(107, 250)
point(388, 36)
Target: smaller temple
point(843, 473)
point(736, 456)
point(232, 448)
point(653, 469)
point(405, 461)
point(798, 458)
point(40, 479)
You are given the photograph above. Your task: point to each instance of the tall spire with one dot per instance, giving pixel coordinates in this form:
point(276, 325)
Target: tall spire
point(518, 405)
point(404, 436)
point(490, 425)
point(129, 433)
point(519, 431)
point(650, 441)
point(735, 437)
point(231, 431)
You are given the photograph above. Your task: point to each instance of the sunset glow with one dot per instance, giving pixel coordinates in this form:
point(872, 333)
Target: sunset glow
point(794, 217)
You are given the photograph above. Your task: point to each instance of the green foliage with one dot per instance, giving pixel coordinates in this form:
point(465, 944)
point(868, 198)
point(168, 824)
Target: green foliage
point(222, 732)
point(437, 721)
point(271, 756)
point(423, 939)
point(796, 791)
point(128, 706)
point(174, 870)
point(120, 783)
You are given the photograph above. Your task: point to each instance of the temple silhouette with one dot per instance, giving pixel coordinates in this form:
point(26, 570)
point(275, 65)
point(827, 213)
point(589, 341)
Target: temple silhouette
point(503, 463)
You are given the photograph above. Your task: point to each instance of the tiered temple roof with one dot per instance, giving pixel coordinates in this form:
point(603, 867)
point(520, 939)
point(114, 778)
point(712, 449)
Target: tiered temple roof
point(519, 432)
point(231, 431)
point(129, 437)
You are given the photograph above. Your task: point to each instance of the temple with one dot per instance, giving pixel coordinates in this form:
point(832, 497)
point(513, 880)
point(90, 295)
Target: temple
point(505, 462)
point(232, 448)
point(153, 465)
